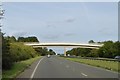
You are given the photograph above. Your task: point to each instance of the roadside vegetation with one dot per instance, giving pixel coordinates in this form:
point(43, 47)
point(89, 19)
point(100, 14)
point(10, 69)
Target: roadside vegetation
point(44, 51)
point(18, 67)
point(14, 51)
point(21, 52)
point(110, 49)
point(110, 65)
point(16, 56)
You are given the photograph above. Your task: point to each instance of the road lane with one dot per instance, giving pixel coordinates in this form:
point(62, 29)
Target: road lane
point(52, 68)
point(55, 67)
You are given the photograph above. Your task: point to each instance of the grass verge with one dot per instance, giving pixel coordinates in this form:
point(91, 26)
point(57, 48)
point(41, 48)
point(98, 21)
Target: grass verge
point(110, 65)
point(18, 68)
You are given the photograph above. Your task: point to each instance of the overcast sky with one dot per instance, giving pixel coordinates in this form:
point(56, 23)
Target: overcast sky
point(76, 22)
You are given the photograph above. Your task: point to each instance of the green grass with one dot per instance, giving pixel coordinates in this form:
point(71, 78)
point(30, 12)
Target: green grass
point(18, 68)
point(110, 65)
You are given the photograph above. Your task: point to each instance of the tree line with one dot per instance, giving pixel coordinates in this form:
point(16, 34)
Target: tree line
point(110, 49)
point(44, 51)
point(22, 39)
point(13, 50)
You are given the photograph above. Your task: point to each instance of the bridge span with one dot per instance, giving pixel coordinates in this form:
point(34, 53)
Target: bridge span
point(65, 45)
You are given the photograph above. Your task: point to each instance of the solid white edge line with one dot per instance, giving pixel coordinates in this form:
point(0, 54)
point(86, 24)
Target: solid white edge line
point(36, 68)
point(83, 74)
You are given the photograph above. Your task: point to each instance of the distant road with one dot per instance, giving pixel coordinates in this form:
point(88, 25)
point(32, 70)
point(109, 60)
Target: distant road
point(55, 67)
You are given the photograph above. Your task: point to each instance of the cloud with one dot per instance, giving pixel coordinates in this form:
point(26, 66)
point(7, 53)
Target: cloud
point(50, 26)
point(69, 34)
point(70, 20)
point(57, 36)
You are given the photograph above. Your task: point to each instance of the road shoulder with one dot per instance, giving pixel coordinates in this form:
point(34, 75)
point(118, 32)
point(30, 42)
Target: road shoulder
point(27, 72)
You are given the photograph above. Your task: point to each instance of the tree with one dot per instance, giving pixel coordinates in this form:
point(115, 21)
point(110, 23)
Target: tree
point(7, 60)
point(91, 41)
point(51, 52)
point(84, 52)
point(20, 39)
point(32, 39)
point(28, 39)
point(116, 49)
point(108, 50)
point(79, 52)
point(93, 53)
point(42, 51)
point(11, 39)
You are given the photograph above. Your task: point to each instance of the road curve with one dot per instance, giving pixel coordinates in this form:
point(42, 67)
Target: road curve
point(56, 67)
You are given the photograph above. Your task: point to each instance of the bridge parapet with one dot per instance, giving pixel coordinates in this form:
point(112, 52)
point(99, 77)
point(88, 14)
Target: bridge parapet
point(65, 45)
point(81, 45)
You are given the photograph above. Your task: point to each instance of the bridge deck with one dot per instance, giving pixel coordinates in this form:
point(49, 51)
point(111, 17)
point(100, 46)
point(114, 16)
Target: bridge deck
point(64, 45)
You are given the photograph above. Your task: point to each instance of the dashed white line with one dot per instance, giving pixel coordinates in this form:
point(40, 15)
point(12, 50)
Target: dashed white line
point(83, 74)
point(36, 68)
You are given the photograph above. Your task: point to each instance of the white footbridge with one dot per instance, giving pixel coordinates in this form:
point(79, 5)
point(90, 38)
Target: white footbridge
point(65, 45)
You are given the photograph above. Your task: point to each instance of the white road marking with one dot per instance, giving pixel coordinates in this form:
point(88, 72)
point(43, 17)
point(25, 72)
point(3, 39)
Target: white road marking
point(36, 68)
point(83, 74)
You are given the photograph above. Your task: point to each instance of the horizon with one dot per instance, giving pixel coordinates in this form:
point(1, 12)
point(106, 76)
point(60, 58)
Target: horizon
point(62, 21)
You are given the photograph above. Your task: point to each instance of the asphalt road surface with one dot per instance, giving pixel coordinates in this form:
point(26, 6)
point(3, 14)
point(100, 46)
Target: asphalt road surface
point(56, 67)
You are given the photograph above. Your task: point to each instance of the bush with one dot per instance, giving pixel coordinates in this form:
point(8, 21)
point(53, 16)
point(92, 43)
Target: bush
point(21, 52)
point(13, 51)
point(7, 62)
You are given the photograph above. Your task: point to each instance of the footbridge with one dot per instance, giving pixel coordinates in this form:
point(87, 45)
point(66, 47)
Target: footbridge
point(65, 45)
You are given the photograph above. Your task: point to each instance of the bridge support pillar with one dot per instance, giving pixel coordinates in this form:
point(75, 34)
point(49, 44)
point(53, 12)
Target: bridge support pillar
point(64, 51)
